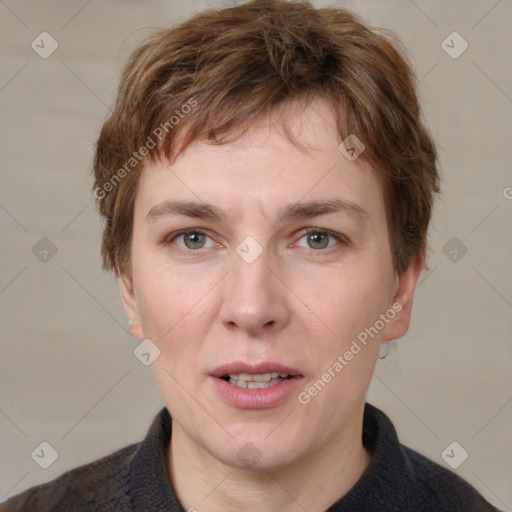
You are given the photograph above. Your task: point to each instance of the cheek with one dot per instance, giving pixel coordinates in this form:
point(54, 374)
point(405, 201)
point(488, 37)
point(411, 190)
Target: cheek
point(175, 308)
point(160, 311)
point(348, 304)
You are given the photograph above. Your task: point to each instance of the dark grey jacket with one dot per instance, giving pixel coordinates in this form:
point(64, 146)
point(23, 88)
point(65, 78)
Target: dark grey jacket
point(135, 479)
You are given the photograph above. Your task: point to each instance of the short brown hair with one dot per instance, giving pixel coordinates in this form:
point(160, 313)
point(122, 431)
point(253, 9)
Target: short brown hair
point(231, 66)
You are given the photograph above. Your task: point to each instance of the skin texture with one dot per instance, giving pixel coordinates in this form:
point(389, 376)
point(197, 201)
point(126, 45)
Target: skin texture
point(298, 304)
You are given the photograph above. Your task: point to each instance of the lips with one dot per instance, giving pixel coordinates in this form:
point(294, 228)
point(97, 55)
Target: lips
point(255, 386)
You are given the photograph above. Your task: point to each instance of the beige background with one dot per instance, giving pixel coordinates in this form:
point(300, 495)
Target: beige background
point(68, 375)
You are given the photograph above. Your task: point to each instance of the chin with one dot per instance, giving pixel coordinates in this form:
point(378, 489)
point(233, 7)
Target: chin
point(255, 451)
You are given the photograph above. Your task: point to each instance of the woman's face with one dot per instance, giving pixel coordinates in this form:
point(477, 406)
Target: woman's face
point(257, 258)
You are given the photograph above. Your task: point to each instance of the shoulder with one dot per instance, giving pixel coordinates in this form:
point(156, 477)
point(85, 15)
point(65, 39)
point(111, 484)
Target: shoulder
point(400, 478)
point(442, 489)
point(99, 485)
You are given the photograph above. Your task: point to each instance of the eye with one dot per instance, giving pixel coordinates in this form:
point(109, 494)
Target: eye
point(318, 239)
point(193, 239)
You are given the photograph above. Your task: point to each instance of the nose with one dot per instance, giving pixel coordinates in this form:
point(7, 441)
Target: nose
point(254, 299)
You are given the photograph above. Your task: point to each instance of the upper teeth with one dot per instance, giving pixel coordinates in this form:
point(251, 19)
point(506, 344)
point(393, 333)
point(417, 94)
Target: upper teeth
point(259, 377)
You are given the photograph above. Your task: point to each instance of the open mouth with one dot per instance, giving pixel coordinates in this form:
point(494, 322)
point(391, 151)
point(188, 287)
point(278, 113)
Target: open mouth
point(256, 381)
point(264, 385)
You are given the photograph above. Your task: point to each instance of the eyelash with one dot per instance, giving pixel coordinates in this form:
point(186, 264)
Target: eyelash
point(341, 239)
point(189, 252)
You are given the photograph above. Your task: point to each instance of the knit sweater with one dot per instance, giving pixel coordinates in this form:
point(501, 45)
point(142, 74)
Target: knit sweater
point(136, 479)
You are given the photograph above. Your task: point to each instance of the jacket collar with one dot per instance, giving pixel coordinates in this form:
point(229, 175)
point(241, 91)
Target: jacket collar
point(389, 472)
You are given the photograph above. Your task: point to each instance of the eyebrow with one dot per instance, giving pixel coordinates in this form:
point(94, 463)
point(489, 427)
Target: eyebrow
point(186, 208)
point(323, 207)
point(293, 211)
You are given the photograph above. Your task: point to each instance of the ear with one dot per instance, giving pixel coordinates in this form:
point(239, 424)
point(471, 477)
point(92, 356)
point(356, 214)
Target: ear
point(131, 306)
point(403, 299)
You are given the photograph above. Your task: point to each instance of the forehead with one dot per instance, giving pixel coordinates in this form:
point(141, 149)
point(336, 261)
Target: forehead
point(263, 170)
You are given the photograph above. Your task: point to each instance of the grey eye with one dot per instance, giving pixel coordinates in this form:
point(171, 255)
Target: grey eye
point(194, 240)
point(318, 240)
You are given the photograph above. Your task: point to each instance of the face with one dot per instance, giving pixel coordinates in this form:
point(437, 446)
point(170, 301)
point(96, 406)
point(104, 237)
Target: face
point(257, 270)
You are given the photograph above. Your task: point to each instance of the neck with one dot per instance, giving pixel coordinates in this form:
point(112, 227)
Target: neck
point(313, 483)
